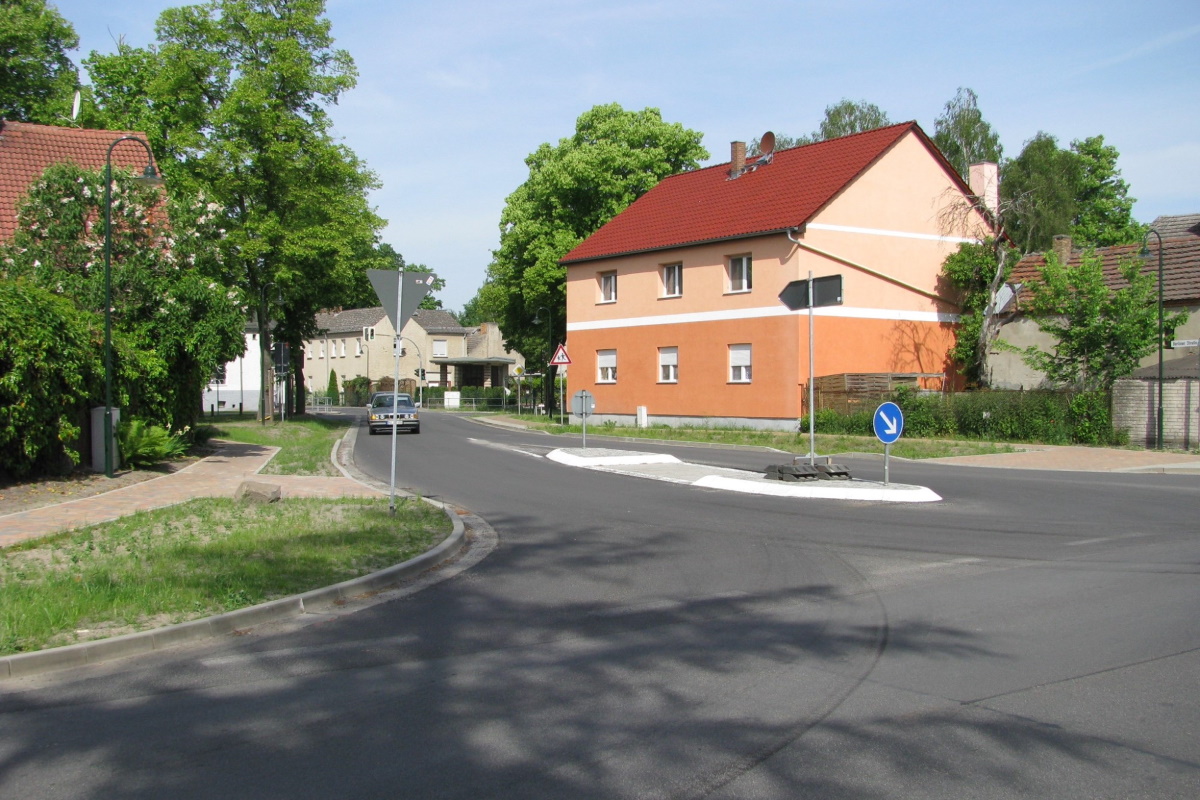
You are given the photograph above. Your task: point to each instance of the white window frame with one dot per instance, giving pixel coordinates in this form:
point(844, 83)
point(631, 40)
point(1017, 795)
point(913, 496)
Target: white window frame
point(322, 348)
point(606, 366)
point(343, 349)
point(608, 286)
point(740, 363)
point(358, 348)
point(672, 279)
point(668, 365)
point(741, 274)
point(441, 348)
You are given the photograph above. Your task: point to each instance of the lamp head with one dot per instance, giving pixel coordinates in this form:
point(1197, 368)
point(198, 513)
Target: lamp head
point(149, 177)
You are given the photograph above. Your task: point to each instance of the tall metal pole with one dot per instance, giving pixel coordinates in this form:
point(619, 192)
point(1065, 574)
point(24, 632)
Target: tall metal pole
point(812, 407)
point(396, 385)
point(1158, 439)
point(149, 177)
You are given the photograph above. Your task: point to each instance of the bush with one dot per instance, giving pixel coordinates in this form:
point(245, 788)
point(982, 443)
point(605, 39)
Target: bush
point(51, 370)
point(1049, 417)
point(144, 445)
point(358, 391)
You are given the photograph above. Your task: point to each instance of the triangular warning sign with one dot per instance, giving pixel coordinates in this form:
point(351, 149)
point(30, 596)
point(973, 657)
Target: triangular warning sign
point(560, 359)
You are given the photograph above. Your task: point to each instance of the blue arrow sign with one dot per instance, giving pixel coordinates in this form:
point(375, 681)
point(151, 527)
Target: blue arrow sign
point(888, 422)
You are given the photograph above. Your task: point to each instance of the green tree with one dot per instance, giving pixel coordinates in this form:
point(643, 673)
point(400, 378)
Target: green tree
point(574, 187)
point(975, 270)
point(1038, 190)
point(847, 117)
point(486, 306)
point(234, 97)
point(37, 78)
point(332, 388)
point(173, 323)
point(1100, 333)
point(1104, 209)
point(964, 136)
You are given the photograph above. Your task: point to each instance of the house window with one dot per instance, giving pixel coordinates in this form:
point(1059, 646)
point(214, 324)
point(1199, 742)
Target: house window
point(668, 365)
point(606, 366)
point(739, 363)
point(358, 348)
point(322, 348)
point(343, 353)
point(608, 287)
point(440, 348)
point(672, 280)
point(741, 274)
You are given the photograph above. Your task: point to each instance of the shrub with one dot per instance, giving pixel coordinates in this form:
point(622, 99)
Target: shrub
point(50, 368)
point(144, 445)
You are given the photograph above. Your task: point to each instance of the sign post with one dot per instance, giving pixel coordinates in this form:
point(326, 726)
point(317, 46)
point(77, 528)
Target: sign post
point(583, 403)
point(814, 292)
point(561, 360)
point(888, 423)
point(399, 305)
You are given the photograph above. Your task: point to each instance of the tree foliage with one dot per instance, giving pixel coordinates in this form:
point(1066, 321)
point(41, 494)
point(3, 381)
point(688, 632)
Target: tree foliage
point(964, 136)
point(1104, 209)
point(972, 271)
point(234, 97)
point(614, 157)
point(173, 322)
point(37, 78)
point(1048, 190)
point(841, 119)
point(50, 372)
point(1101, 333)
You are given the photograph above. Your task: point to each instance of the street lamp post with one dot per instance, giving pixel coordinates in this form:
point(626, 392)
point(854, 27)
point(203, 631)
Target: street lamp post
point(150, 178)
point(420, 370)
point(1145, 252)
point(549, 352)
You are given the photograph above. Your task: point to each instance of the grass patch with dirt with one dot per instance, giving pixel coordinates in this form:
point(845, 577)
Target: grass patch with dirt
point(201, 558)
point(306, 443)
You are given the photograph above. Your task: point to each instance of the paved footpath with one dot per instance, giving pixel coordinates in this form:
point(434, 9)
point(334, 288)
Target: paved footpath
point(218, 475)
point(1084, 459)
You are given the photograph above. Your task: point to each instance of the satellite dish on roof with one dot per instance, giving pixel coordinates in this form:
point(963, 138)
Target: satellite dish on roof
point(766, 145)
point(75, 107)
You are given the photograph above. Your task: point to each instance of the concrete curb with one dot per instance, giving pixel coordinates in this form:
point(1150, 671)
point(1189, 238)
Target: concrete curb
point(77, 655)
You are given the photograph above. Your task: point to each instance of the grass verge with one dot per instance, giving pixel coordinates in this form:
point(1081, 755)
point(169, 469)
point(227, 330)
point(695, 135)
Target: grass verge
point(786, 441)
point(306, 442)
point(204, 557)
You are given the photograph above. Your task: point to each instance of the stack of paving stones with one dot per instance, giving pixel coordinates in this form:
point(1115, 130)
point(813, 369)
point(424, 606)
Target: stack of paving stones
point(798, 471)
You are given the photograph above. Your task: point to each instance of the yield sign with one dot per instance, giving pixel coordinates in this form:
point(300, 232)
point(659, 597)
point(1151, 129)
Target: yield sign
point(560, 358)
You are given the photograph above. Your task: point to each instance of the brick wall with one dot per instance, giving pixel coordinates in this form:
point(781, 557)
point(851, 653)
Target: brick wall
point(1135, 409)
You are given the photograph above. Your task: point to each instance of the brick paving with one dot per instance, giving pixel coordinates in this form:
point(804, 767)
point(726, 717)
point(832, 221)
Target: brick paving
point(219, 475)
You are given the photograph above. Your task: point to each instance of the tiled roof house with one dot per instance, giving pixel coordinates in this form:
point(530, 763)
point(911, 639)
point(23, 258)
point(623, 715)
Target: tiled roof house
point(1180, 290)
point(27, 149)
point(674, 304)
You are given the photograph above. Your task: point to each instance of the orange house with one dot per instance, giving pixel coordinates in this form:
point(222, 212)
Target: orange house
point(673, 306)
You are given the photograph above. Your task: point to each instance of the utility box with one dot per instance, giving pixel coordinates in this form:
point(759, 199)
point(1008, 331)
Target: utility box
point(643, 418)
point(98, 438)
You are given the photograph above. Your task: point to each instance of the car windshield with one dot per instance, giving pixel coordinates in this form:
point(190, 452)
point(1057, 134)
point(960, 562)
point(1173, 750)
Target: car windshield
point(385, 401)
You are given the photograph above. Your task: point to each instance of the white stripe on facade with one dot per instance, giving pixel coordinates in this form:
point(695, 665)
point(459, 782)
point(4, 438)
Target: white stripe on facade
point(732, 315)
point(929, 237)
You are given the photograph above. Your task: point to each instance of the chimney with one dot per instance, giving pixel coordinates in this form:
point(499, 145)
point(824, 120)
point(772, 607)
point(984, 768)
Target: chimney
point(1062, 248)
point(737, 159)
point(985, 184)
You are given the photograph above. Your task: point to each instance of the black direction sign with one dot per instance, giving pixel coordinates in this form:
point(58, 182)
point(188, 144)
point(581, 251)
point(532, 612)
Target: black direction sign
point(826, 291)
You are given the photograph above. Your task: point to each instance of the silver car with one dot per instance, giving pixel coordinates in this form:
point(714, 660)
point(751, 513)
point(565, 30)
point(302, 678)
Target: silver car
point(382, 417)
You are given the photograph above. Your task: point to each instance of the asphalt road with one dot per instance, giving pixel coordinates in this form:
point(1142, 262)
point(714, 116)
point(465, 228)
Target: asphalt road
point(1034, 635)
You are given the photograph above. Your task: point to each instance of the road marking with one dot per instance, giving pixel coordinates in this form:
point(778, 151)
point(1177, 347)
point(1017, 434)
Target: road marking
point(1104, 539)
point(954, 562)
point(364, 644)
point(506, 447)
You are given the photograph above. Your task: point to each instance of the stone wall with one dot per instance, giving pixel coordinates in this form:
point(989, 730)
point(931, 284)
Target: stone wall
point(1135, 409)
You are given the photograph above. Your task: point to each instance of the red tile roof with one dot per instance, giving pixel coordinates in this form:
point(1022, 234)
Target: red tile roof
point(704, 205)
point(26, 150)
point(1181, 266)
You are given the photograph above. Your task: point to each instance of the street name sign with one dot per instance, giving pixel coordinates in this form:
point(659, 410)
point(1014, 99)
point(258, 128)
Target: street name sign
point(826, 291)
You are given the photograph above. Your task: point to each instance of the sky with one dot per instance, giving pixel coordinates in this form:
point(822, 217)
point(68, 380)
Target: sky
point(453, 95)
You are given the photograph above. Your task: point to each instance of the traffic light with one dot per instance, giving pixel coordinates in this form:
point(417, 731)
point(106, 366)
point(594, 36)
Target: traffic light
point(420, 373)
